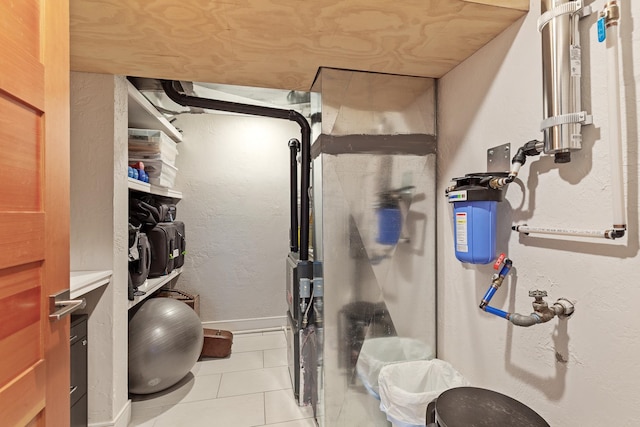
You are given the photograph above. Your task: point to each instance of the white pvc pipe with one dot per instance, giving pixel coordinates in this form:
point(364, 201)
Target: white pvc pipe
point(615, 126)
point(603, 234)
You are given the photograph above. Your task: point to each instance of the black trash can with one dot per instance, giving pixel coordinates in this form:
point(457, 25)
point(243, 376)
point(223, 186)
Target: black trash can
point(478, 407)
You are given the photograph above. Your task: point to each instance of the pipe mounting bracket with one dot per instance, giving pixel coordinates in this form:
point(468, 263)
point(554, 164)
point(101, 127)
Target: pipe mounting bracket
point(582, 117)
point(563, 9)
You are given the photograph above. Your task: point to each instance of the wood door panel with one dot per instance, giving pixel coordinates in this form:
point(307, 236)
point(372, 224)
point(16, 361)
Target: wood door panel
point(34, 211)
point(23, 398)
point(15, 68)
point(55, 271)
point(22, 236)
point(19, 279)
point(20, 144)
point(21, 22)
point(19, 311)
point(18, 353)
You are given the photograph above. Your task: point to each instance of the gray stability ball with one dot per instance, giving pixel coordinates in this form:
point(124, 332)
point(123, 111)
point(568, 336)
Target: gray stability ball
point(165, 341)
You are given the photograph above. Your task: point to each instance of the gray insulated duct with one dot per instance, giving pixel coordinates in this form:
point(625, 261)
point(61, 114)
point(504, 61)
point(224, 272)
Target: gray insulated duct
point(561, 71)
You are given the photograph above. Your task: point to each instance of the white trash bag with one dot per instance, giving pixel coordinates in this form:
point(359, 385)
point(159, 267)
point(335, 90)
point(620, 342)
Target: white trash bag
point(378, 352)
point(407, 388)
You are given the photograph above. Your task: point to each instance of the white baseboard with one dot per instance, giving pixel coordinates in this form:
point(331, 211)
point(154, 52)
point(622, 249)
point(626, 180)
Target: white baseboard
point(248, 325)
point(122, 419)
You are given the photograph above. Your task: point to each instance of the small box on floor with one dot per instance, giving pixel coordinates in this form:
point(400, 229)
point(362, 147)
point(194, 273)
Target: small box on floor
point(217, 343)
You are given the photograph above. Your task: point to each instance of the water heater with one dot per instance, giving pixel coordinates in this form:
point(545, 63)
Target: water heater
point(474, 216)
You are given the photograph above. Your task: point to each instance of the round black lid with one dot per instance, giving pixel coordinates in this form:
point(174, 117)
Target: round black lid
point(478, 407)
point(477, 187)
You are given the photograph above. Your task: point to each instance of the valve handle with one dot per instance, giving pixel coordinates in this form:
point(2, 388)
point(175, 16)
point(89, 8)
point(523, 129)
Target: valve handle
point(537, 294)
point(499, 261)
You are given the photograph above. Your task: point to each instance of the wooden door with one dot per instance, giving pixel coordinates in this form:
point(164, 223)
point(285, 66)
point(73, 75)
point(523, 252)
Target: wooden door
point(34, 211)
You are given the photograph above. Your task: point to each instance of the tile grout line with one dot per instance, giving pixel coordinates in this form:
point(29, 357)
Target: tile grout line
point(251, 370)
point(219, 385)
point(264, 407)
point(254, 392)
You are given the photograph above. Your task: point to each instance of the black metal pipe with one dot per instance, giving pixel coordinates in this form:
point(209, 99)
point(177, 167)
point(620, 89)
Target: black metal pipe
point(294, 147)
point(276, 113)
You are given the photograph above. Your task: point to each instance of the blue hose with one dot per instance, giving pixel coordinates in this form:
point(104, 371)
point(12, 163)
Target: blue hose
point(497, 312)
point(484, 305)
point(490, 293)
point(506, 268)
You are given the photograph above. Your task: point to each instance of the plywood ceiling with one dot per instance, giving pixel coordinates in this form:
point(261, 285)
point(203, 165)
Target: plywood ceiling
point(281, 43)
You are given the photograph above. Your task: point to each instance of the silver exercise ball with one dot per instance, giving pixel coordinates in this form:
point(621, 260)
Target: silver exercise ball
point(165, 341)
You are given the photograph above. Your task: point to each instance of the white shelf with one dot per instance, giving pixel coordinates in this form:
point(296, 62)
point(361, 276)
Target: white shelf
point(152, 285)
point(143, 115)
point(86, 281)
point(137, 185)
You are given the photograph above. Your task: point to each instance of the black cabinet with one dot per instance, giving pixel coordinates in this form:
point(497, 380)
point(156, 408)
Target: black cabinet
point(78, 341)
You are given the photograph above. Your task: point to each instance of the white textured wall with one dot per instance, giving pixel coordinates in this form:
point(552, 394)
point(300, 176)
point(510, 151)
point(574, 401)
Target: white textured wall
point(99, 238)
point(580, 372)
point(234, 176)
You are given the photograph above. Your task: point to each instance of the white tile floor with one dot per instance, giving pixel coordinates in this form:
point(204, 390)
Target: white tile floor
point(250, 388)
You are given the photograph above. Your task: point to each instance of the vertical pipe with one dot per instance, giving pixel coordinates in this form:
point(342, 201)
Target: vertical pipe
point(558, 80)
point(305, 185)
point(615, 126)
point(305, 182)
point(575, 67)
point(276, 113)
point(294, 145)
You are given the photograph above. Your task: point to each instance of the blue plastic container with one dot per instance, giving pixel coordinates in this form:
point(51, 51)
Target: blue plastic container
point(475, 231)
point(389, 225)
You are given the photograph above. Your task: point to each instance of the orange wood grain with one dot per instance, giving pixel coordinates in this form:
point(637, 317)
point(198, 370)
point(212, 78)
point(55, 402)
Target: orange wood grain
point(20, 27)
point(56, 186)
point(14, 68)
point(24, 398)
point(18, 279)
point(21, 21)
point(20, 141)
point(278, 43)
point(22, 236)
point(19, 311)
point(34, 210)
point(19, 352)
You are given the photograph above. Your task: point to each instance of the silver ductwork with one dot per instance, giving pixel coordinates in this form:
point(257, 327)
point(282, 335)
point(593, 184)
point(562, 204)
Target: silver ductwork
point(561, 73)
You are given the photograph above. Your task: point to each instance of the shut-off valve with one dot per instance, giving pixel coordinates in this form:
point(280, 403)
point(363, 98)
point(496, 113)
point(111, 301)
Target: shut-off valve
point(542, 312)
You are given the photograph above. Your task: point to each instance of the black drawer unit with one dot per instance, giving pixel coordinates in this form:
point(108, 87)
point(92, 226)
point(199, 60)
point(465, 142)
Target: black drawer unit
point(78, 341)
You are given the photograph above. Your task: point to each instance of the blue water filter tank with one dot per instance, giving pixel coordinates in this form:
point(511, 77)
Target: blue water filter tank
point(475, 231)
point(474, 217)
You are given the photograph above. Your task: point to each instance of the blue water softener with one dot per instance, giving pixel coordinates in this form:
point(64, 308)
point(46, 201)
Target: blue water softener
point(474, 217)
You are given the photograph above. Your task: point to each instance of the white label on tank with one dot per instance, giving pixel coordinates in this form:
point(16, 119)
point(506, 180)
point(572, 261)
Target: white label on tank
point(458, 196)
point(176, 253)
point(461, 232)
point(576, 61)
